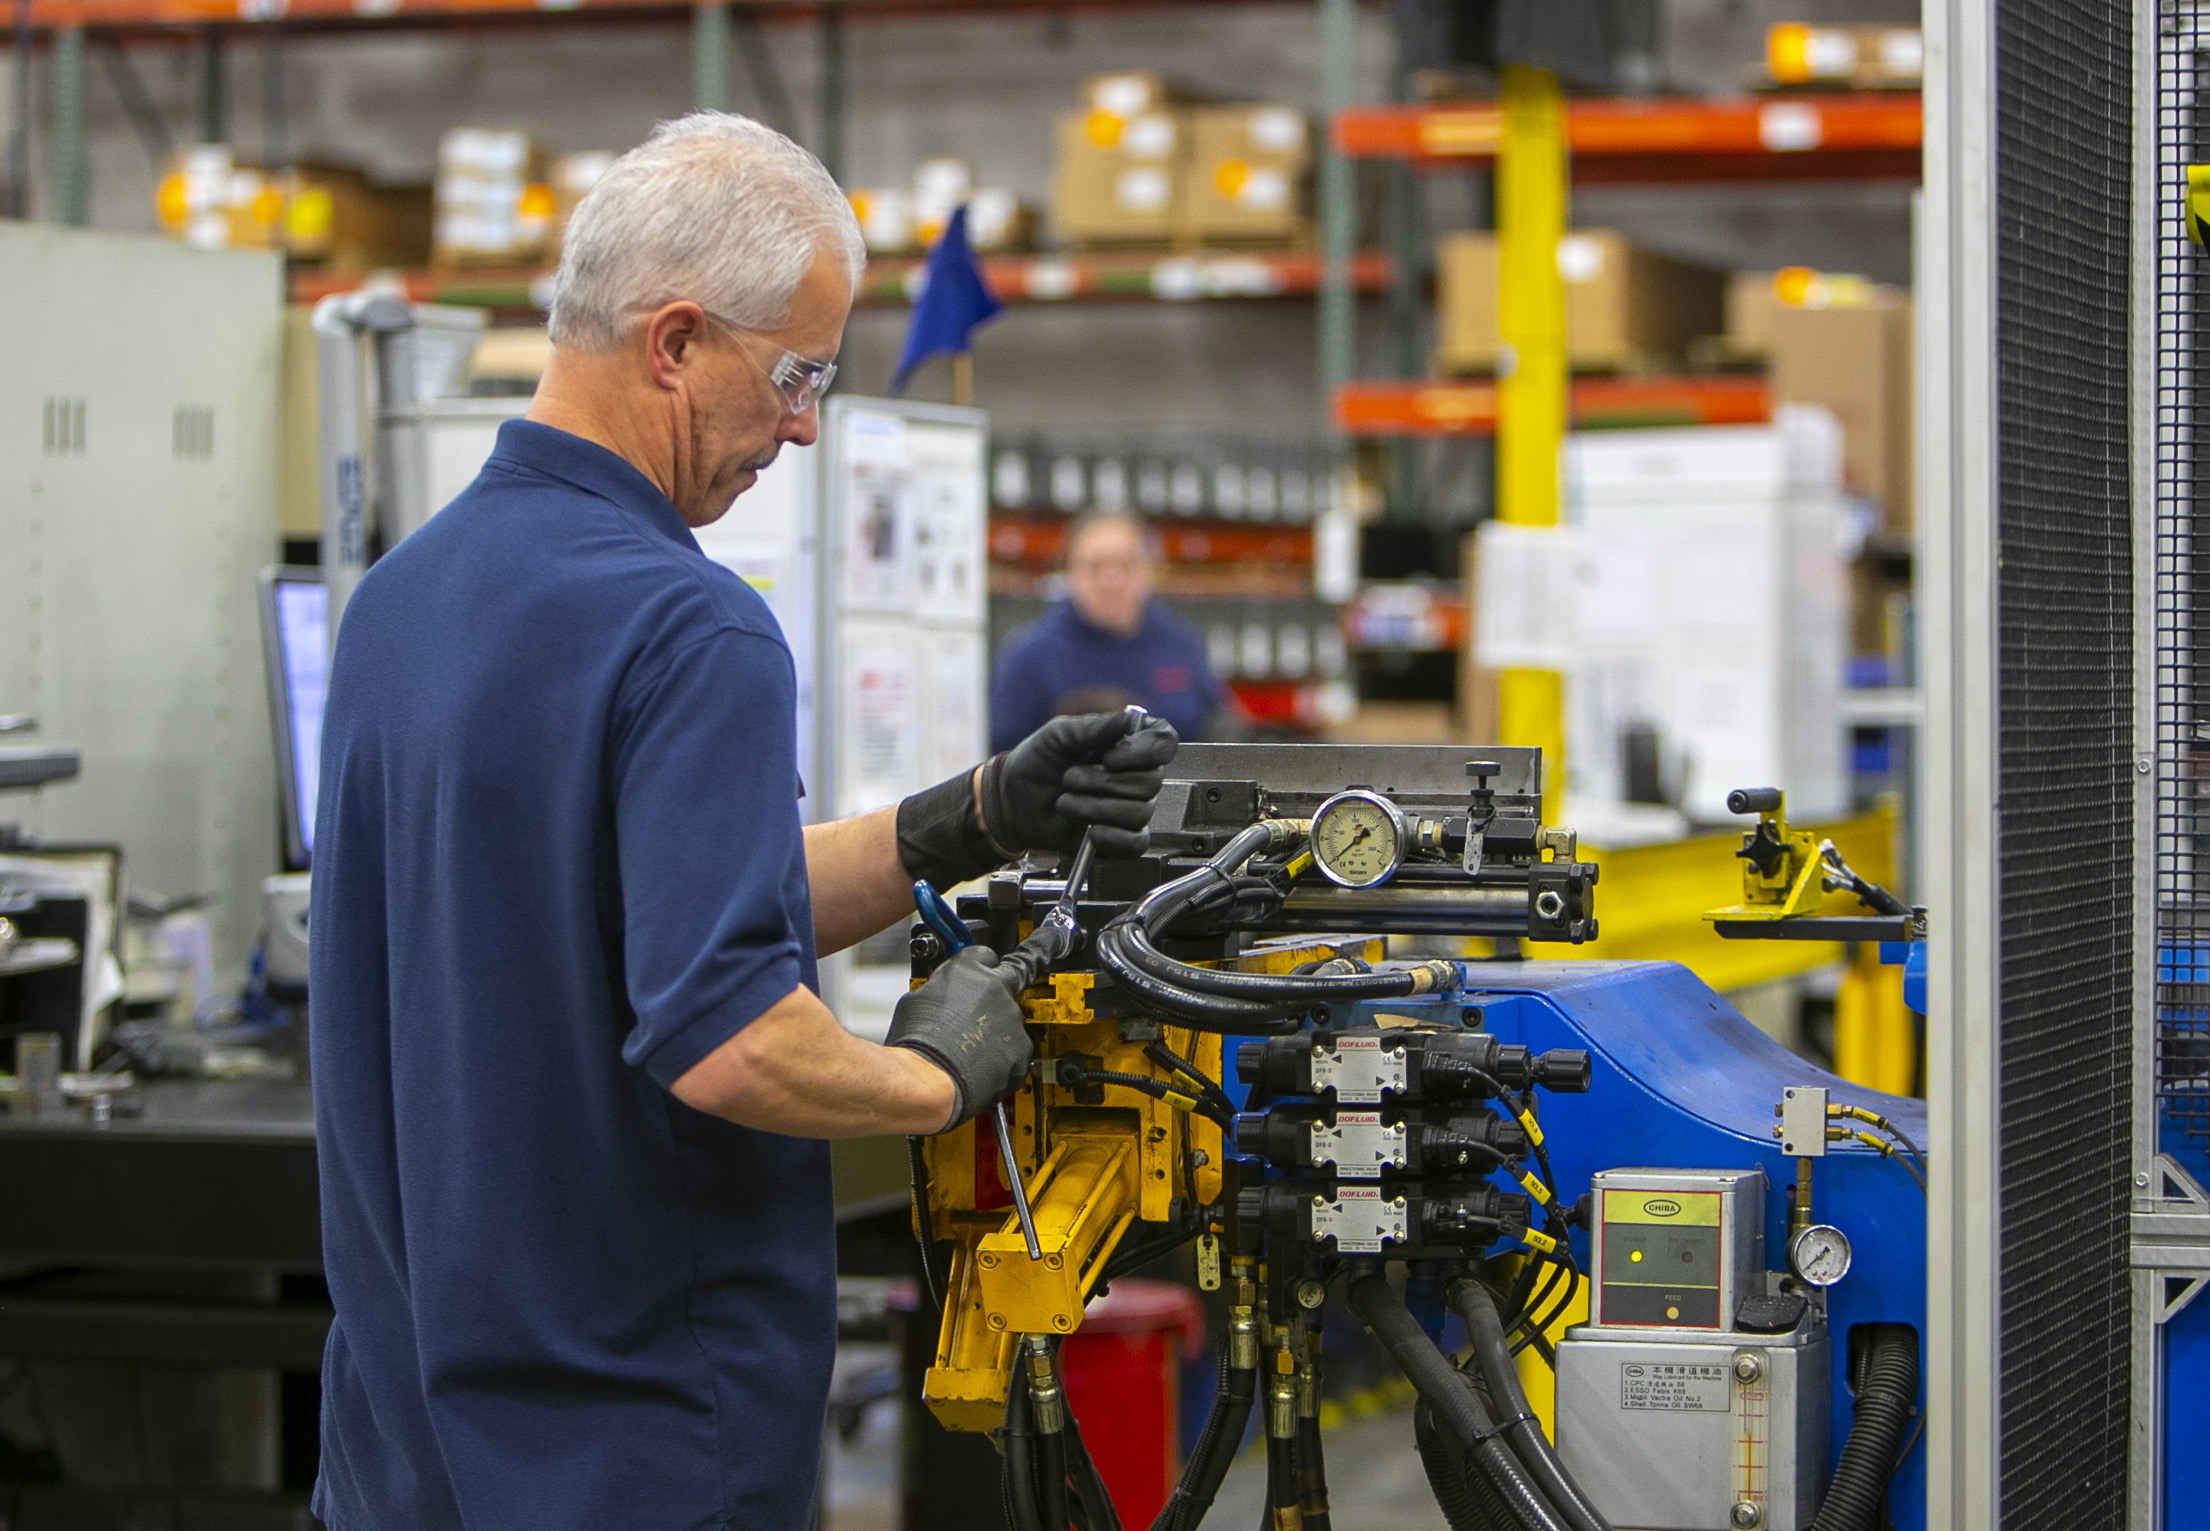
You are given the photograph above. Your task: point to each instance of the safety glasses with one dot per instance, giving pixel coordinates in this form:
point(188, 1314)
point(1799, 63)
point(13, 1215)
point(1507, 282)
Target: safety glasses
point(799, 379)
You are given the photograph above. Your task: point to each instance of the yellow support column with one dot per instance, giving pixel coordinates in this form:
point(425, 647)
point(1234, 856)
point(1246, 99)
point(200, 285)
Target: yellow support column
point(1531, 389)
point(1875, 1040)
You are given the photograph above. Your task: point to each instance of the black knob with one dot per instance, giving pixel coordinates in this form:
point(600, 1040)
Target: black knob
point(1753, 800)
point(1564, 1070)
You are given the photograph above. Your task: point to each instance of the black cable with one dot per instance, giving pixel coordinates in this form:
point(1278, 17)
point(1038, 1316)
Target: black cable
point(1092, 1505)
point(931, 1283)
point(1174, 1063)
point(1217, 1444)
point(1456, 1405)
point(1281, 1479)
point(1144, 1084)
point(1312, 1475)
point(1467, 1502)
point(1022, 1506)
point(1473, 1304)
point(1885, 1396)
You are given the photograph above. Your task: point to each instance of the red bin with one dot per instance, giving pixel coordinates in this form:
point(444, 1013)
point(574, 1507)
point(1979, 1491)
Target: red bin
point(1123, 1375)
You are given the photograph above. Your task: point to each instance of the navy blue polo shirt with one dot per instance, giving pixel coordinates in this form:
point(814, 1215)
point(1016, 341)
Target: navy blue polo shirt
point(558, 862)
point(1060, 663)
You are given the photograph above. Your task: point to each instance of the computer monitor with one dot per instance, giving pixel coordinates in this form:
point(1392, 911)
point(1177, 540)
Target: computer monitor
point(295, 643)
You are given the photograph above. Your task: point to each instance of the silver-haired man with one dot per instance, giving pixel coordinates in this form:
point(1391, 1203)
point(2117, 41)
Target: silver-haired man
point(571, 1073)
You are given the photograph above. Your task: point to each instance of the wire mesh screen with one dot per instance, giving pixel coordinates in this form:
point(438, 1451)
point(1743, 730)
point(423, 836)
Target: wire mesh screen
point(2182, 706)
point(2065, 697)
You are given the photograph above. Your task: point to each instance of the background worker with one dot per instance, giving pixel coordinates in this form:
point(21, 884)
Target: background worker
point(570, 1068)
point(1111, 642)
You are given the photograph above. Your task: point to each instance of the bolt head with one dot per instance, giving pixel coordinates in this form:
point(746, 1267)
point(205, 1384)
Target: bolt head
point(1311, 1294)
point(2141, 1178)
point(1748, 1514)
point(1748, 1369)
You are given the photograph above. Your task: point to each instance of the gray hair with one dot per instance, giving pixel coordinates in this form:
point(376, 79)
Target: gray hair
point(714, 208)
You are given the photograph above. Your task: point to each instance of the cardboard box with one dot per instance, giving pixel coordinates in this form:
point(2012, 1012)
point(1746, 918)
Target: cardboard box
point(493, 205)
point(1753, 297)
point(1126, 93)
point(209, 201)
point(572, 177)
point(1115, 180)
point(339, 220)
point(1624, 308)
point(1857, 362)
point(1249, 173)
point(1864, 58)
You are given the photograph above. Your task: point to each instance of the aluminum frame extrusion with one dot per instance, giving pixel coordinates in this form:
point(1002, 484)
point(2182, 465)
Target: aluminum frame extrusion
point(1957, 476)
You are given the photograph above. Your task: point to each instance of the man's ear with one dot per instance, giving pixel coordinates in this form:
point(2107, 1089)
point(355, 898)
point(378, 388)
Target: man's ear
point(672, 336)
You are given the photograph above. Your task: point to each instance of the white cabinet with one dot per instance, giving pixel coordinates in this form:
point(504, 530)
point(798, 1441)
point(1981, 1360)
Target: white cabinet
point(138, 484)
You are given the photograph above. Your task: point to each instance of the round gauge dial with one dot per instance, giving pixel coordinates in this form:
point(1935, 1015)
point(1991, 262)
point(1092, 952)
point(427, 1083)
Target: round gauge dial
point(1819, 1255)
point(1359, 838)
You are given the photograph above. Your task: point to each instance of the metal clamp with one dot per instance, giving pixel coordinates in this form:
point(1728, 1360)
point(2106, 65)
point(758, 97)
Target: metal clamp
point(2171, 1236)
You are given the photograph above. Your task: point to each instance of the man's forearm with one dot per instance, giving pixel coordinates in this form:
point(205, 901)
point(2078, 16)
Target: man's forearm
point(794, 1070)
point(860, 885)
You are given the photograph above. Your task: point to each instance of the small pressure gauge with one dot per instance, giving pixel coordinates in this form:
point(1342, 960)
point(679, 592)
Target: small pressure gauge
point(1819, 1255)
point(1359, 838)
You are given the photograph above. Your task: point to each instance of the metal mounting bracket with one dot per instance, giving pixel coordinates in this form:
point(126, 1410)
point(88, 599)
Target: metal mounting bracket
point(2171, 1236)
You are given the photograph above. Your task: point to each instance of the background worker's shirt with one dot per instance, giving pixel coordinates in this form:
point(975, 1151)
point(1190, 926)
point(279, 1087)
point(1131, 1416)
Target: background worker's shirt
point(558, 862)
point(1060, 663)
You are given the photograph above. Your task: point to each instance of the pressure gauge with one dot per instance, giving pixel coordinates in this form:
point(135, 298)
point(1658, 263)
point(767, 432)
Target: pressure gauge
point(1359, 838)
point(1819, 1255)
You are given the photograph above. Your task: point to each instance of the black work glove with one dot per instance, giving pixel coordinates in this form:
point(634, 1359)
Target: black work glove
point(966, 1022)
point(1099, 772)
point(1098, 769)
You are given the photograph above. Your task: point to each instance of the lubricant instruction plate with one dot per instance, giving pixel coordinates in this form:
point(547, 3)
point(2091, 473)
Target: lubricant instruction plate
point(1673, 1387)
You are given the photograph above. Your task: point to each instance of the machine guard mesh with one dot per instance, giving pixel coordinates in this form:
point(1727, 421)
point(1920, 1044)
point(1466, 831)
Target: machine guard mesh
point(2182, 706)
point(2065, 699)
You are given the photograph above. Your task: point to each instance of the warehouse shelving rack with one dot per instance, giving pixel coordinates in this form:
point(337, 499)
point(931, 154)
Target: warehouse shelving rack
point(1820, 138)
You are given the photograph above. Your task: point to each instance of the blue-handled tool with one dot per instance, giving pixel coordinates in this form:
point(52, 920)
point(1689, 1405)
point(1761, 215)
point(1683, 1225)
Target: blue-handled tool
point(953, 932)
point(936, 913)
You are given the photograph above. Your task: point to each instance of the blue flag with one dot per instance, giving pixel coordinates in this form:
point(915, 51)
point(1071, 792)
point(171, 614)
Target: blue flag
point(954, 299)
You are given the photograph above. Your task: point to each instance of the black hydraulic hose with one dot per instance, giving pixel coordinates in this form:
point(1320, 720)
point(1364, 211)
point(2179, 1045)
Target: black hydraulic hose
point(1051, 1479)
point(1281, 1480)
point(1216, 1447)
point(1198, 1012)
point(1463, 1496)
point(932, 1283)
point(1312, 1475)
point(1884, 1397)
point(1493, 1357)
point(1304, 990)
point(1021, 1504)
point(1093, 1506)
point(1457, 1408)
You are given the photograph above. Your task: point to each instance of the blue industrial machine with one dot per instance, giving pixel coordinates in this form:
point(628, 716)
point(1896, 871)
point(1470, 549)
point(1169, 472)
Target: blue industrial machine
point(1244, 1043)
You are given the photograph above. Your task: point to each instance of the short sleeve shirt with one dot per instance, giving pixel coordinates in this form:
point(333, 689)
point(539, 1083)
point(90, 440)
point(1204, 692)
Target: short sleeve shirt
point(558, 862)
point(1060, 663)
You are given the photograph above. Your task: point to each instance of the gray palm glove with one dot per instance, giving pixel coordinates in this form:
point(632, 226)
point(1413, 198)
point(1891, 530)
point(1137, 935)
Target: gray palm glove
point(1096, 771)
point(966, 1022)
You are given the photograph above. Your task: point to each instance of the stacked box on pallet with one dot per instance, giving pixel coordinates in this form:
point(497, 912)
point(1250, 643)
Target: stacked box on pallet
point(493, 208)
point(1248, 175)
point(1626, 309)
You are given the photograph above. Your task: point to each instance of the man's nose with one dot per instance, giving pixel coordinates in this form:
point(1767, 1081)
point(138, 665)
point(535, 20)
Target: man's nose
point(804, 428)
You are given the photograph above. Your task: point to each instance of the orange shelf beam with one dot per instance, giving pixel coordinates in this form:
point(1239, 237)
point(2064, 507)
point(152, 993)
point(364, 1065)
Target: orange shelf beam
point(1039, 541)
point(1469, 408)
point(1862, 134)
point(47, 15)
point(1129, 276)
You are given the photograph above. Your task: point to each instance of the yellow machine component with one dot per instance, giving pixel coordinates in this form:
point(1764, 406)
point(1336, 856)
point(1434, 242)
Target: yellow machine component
point(1083, 1199)
point(2198, 201)
point(1098, 1161)
point(1782, 870)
